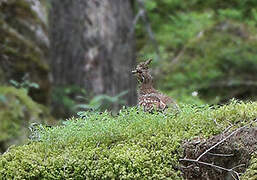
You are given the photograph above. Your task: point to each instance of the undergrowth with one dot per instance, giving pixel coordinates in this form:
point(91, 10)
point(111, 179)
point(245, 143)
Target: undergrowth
point(131, 145)
point(251, 172)
point(17, 111)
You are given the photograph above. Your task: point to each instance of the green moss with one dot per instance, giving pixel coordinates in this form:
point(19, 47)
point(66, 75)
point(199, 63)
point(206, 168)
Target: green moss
point(132, 145)
point(251, 172)
point(20, 9)
point(17, 111)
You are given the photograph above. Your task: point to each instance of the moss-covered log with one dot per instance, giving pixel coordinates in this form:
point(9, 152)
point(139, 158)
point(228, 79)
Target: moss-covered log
point(131, 145)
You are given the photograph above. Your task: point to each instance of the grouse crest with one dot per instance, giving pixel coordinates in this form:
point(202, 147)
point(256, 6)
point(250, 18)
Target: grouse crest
point(148, 97)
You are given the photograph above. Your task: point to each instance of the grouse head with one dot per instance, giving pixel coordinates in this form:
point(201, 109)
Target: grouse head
point(142, 72)
point(148, 97)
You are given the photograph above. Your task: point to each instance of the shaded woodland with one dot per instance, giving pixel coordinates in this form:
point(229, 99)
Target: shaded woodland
point(61, 59)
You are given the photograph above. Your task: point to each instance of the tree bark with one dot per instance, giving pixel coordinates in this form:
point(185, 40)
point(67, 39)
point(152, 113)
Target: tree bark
point(92, 47)
point(24, 45)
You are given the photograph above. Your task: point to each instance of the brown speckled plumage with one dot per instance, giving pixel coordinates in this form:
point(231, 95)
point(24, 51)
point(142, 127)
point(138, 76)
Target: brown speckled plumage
point(148, 97)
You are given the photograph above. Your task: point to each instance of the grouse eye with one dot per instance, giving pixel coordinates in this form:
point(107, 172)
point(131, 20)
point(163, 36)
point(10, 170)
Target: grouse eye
point(139, 71)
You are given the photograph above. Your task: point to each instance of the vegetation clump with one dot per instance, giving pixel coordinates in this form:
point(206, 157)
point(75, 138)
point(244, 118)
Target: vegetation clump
point(205, 47)
point(17, 111)
point(133, 144)
point(251, 172)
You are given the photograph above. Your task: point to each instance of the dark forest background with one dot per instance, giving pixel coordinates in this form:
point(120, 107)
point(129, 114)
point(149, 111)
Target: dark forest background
point(58, 57)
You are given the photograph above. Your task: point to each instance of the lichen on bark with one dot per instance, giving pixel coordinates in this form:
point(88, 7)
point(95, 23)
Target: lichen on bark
point(24, 39)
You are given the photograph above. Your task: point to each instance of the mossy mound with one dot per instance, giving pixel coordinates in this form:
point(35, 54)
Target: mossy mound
point(251, 172)
point(17, 111)
point(131, 145)
point(24, 45)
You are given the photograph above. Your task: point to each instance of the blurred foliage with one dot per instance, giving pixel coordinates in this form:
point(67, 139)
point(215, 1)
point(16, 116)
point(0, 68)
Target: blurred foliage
point(208, 47)
point(208, 51)
point(17, 111)
point(23, 53)
point(26, 84)
point(64, 99)
point(24, 46)
point(68, 100)
point(102, 102)
point(131, 145)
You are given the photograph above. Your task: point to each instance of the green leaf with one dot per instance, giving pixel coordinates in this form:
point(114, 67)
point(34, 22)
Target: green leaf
point(3, 98)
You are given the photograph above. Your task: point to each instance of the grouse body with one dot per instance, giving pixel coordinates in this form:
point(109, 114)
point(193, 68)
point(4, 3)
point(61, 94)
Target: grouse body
point(148, 97)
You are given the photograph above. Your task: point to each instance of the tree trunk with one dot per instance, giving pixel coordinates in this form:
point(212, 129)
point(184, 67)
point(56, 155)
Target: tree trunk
point(25, 45)
point(92, 47)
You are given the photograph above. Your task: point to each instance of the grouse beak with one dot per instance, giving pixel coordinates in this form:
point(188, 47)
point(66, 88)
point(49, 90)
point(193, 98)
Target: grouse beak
point(134, 71)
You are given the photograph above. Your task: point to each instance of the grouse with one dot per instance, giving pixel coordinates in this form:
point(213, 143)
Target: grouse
point(148, 97)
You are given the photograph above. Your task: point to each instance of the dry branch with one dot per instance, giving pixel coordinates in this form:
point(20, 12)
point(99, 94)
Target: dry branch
point(231, 134)
point(181, 53)
point(222, 155)
point(142, 13)
point(215, 166)
point(233, 173)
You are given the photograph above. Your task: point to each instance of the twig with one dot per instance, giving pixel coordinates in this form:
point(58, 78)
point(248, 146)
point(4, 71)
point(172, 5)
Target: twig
point(216, 123)
point(187, 166)
point(236, 175)
point(215, 166)
point(207, 164)
point(222, 155)
point(227, 129)
point(237, 130)
point(178, 56)
point(145, 19)
point(233, 173)
point(240, 165)
point(232, 83)
point(184, 48)
point(139, 14)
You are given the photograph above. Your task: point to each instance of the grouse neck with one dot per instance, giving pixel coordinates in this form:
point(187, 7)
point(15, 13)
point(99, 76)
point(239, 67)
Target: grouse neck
point(146, 88)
